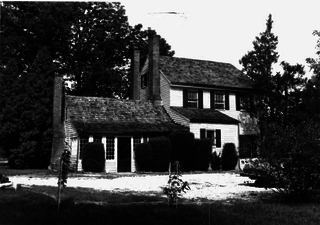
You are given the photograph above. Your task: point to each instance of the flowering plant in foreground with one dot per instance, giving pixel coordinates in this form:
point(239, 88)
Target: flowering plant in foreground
point(176, 186)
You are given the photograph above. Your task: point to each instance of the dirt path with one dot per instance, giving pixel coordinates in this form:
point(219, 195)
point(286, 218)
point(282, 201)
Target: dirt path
point(203, 186)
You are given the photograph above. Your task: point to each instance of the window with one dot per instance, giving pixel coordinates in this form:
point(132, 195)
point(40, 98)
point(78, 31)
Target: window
point(110, 148)
point(219, 100)
point(97, 139)
point(243, 102)
point(192, 99)
point(214, 135)
point(83, 141)
point(136, 141)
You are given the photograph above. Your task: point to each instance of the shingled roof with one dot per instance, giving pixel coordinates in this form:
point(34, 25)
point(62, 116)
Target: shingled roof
point(108, 115)
point(205, 115)
point(185, 71)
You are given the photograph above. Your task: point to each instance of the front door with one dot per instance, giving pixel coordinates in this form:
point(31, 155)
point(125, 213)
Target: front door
point(124, 154)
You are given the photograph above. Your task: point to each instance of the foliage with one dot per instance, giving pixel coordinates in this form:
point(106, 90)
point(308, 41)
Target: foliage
point(279, 93)
point(229, 157)
point(143, 157)
point(88, 42)
point(63, 171)
point(175, 185)
point(182, 149)
point(215, 161)
point(93, 157)
point(292, 159)
point(202, 154)
point(161, 153)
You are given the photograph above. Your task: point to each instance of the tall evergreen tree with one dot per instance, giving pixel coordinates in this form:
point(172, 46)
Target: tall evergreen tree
point(257, 64)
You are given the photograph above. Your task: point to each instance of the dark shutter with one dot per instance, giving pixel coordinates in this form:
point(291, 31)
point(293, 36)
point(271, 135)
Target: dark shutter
point(212, 100)
point(252, 106)
point(200, 99)
point(202, 133)
point(227, 105)
point(185, 98)
point(218, 138)
point(237, 101)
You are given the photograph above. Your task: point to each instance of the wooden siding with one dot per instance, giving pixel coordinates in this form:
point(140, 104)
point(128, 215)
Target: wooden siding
point(176, 97)
point(164, 91)
point(229, 133)
point(206, 99)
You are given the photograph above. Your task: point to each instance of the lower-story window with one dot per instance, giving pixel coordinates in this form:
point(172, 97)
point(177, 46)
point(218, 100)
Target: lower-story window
point(110, 148)
point(214, 135)
point(136, 141)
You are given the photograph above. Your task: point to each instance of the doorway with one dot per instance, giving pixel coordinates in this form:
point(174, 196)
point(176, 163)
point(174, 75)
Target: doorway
point(124, 154)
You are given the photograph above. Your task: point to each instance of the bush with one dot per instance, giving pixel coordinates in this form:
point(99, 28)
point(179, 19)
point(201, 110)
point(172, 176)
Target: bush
point(229, 157)
point(93, 157)
point(161, 153)
point(292, 157)
point(143, 157)
point(182, 149)
point(202, 154)
point(215, 161)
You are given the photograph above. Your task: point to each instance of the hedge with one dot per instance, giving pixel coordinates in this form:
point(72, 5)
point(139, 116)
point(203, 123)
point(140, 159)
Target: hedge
point(202, 154)
point(93, 157)
point(161, 153)
point(229, 157)
point(143, 157)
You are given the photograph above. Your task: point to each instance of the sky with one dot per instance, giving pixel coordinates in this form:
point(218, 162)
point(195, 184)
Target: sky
point(223, 30)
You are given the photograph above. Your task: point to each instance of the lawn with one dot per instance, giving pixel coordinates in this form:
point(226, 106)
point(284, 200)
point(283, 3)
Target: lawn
point(36, 205)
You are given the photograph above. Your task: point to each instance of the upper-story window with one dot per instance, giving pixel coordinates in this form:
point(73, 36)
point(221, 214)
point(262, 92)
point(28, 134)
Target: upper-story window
point(192, 99)
point(219, 100)
point(243, 102)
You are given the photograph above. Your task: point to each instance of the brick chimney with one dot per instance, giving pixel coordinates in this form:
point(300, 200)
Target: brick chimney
point(154, 74)
point(135, 82)
point(58, 142)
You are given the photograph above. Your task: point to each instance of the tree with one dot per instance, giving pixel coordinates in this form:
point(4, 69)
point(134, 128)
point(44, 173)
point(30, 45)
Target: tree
point(257, 64)
point(90, 43)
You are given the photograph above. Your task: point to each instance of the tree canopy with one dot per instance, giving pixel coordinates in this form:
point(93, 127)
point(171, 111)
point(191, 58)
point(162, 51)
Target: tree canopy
point(89, 43)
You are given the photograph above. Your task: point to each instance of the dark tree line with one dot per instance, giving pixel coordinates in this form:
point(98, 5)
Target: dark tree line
point(90, 43)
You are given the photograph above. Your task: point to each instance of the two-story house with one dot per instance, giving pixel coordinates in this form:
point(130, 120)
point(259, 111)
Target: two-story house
point(211, 99)
point(168, 94)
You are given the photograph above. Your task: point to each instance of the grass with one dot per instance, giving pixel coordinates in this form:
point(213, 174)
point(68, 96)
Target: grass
point(81, 206)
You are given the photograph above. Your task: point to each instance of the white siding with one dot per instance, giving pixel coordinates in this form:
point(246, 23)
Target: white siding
point(229, 133)
point(206, 99)
point(176, 98)
point(164, 91)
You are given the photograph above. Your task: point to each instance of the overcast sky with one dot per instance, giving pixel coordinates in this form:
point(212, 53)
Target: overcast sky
point(224, 30)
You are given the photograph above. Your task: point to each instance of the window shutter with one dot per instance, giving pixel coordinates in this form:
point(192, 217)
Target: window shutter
point(202, 133)
point(237, 102)
point(218, 138)
point(185, 98)
point(227, 105)
point(252, 106)
point(212, 100)
point(200, 99)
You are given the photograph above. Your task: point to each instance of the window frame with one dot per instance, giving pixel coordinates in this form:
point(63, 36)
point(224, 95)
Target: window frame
point(219, 103)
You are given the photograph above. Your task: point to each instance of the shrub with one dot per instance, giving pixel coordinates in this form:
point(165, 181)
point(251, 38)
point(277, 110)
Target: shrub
point(202, 154)
point(143, 157)
point(292, 157)
point(93, 157)
point(229, 157)
point(182, 149)
point(161, 153)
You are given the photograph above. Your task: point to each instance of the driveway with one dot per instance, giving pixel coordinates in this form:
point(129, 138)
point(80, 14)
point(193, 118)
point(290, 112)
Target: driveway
point(212, 186)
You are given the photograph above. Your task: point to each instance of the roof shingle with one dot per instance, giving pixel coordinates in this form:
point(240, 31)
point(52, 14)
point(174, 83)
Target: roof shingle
point(205, 115)
point(204, 73)
point(108, 115)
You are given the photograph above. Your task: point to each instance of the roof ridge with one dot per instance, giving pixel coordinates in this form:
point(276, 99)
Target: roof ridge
point(200, 60)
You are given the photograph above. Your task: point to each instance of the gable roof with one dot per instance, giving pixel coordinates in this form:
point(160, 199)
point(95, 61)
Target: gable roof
point(205, 115)
point(183, 71)
point(108, 115)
